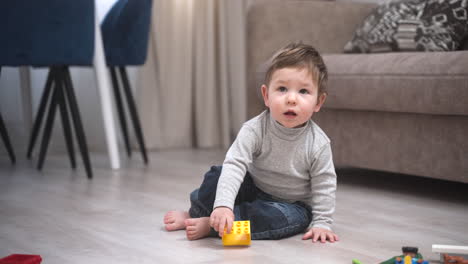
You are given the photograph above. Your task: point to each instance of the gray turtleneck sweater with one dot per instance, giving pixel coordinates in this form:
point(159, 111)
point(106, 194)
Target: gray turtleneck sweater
point(292, 164)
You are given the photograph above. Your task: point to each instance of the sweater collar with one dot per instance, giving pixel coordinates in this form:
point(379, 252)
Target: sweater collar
point(286, 133)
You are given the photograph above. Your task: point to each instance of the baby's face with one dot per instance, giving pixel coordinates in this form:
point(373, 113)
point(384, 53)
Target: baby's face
point(292, 96)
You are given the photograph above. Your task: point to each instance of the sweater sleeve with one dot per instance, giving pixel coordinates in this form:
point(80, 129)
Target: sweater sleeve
point(323, 188)
point(235, 166)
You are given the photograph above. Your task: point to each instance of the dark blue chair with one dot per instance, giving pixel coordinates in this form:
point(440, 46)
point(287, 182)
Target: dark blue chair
point(54, 34)
point(125, 33)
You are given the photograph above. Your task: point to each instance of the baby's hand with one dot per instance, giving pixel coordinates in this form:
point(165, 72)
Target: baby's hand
point(220, 218)
point(323, 234)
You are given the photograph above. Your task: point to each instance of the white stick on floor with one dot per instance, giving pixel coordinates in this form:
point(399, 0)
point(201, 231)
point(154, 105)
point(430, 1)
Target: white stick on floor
point(450, 249)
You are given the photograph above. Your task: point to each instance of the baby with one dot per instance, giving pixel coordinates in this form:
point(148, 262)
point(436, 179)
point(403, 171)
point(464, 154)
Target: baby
point(279, 172)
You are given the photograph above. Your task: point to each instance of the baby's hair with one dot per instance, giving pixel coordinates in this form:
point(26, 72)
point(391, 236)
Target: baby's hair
point(299, 55)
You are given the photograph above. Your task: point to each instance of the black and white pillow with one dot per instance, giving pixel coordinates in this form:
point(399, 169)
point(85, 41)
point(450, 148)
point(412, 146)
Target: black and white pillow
point(377, 32)
point(424, 25)
point(444, 25)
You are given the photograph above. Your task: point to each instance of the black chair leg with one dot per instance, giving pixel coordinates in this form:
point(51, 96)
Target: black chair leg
point(40, 113)
point(66, 126)
point(133, 113)
point(48, 128)
point(75, 113)
point(6, 140)
point(120, 109)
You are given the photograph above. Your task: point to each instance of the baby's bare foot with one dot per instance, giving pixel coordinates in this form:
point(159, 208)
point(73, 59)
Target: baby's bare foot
point(197, 228)
point(175, 220)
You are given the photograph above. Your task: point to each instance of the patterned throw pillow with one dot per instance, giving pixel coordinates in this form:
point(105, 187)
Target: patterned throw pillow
point(444, 25)
point(424, 25)
point(465, 44)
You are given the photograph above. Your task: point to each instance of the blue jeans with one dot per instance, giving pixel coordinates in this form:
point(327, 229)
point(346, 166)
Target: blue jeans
point(269, 218)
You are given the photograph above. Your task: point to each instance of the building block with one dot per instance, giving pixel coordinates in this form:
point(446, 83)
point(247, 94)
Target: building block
point(410, 255)
point(21, 259)
point(239, 236)
point(454, 259)
point(407, 260)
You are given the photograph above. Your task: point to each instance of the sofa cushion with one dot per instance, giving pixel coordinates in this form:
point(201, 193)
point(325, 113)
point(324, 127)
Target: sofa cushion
point(412, 82)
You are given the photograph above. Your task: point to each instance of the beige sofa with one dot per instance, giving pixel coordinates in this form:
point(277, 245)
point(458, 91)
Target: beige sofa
point(397, 112)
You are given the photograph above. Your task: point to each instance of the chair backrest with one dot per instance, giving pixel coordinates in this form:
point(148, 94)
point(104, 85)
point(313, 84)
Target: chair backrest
point(46, 32)
point(125, 32)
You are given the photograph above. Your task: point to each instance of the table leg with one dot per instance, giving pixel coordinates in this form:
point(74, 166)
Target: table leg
point(104, 88)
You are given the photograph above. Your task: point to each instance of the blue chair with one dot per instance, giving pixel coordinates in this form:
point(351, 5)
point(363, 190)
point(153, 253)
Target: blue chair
point(125, 33)
point(54, 34)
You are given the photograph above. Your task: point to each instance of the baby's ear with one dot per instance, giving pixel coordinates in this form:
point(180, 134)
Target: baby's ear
point(264, 90)
point(320, 101)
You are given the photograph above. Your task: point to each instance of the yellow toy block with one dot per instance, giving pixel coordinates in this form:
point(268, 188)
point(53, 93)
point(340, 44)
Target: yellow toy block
point(407, 260)
point(239, 236)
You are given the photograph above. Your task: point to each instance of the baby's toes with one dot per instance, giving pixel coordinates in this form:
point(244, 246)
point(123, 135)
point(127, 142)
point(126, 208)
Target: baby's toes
point(191, 234)
point(190, 222)
point(169, 218)
point(170, 227)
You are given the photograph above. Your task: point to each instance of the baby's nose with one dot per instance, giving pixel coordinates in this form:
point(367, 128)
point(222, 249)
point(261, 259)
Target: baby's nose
point(291, 98)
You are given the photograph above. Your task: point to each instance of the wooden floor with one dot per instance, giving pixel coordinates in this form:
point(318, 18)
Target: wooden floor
point(117, 216)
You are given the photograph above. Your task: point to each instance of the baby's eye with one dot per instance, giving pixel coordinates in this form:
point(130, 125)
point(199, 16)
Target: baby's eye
point(282, 89)
point(304, 91)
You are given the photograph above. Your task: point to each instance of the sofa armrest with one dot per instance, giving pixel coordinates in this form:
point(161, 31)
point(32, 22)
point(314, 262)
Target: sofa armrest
point(327, 25)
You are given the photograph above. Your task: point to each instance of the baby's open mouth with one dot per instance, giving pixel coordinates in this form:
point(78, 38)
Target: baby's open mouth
point(290, 113)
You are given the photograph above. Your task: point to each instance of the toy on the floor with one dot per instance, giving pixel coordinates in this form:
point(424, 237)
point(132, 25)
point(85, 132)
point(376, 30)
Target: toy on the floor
point(448, 259)
point(410, 256)
point(409, 260)
point(239, 236)
point(457, 251)
point(21, 259)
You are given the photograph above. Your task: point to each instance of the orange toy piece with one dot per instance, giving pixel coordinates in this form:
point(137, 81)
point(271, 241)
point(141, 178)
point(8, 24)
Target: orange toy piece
point(454, 259)
point(239, 236)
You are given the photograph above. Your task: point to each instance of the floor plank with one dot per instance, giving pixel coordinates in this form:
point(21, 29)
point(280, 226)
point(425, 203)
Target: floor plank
point(117, 216)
